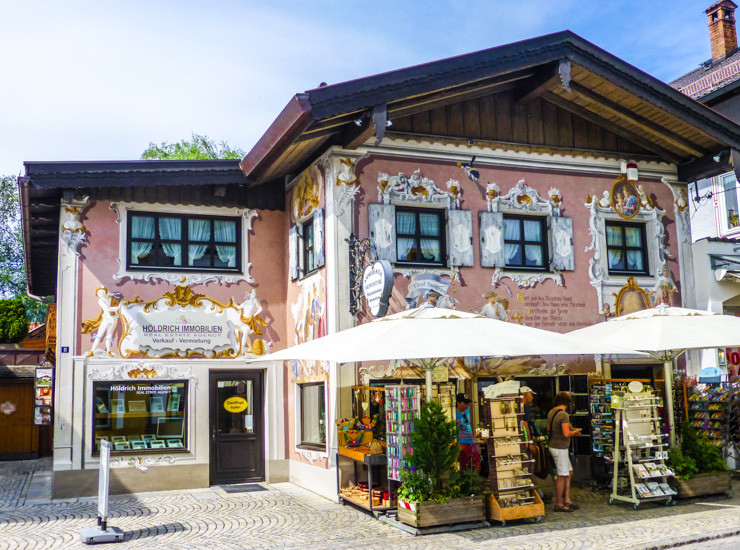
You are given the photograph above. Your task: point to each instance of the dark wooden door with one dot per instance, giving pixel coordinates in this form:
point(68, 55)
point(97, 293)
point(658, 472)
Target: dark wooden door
point(19, 438)
point(237, 427)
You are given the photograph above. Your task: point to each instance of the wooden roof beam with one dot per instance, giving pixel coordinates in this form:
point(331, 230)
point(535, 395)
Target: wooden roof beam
point(590, 116)
point(645, 124)
point(551, 76)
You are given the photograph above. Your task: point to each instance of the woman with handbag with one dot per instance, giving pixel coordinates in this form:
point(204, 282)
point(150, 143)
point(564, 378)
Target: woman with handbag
point(560, 430)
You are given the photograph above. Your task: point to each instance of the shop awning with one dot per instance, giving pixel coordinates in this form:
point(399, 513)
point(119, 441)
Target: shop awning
point(726, 267)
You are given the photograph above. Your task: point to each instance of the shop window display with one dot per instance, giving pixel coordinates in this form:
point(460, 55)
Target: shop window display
point(140, 416)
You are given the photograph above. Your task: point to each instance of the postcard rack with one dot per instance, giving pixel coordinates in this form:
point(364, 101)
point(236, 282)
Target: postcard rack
point(403, 406)
point(512, 491)
point(640, 450)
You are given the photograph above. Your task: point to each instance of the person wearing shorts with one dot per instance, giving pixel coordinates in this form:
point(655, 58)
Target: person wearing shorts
point(558, 423)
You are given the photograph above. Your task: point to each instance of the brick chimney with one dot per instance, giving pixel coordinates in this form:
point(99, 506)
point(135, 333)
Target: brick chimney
point(722, 32)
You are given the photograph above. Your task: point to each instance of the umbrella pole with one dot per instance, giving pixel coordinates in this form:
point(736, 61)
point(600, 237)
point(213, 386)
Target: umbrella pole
point(428, 375)
point(668, 375)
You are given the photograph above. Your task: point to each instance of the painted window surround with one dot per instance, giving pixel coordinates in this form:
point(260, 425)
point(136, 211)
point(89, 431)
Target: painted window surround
point(188, 277)
point(608, 284)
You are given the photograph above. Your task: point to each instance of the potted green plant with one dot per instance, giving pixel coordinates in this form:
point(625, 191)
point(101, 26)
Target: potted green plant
point(698, 465)
point(434, 492)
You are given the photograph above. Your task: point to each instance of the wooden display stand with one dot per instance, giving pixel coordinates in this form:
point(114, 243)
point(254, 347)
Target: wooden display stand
point(495, 512)
point(512, 491)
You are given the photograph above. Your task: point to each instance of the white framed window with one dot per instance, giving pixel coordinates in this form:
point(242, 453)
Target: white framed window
point(306, 245)
point(626, 248)
point(312, 416)
point(183, 245)
point(162, 241)
point(729, 217)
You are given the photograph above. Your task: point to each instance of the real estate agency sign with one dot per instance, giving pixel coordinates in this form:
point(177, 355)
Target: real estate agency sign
point(183, 326)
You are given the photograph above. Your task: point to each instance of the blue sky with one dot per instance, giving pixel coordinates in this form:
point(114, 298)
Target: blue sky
point(99, 80)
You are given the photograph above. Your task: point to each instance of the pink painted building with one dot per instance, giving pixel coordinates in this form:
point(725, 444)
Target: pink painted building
point(540, 183)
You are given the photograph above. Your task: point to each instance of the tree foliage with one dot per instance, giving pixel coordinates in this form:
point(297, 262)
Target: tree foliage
point(13, 324)
point(12, 261)
point(12, 274)
point(199, 147)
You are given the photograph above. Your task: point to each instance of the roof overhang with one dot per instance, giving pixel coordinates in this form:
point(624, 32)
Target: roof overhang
point(187, 182)
point(562, 69)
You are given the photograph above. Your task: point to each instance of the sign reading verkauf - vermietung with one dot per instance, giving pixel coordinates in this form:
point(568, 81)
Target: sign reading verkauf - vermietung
point(177, 330)
point(377, 284)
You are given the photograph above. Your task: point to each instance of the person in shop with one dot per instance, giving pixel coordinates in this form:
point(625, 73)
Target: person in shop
point(560, 430)
point(530, 430)
point(469, 458)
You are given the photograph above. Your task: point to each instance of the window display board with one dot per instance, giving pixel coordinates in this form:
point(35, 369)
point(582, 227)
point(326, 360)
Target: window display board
point(641, 448)
point(513, 495)
point(138, 417)
point(403, 406)
point(43, 394)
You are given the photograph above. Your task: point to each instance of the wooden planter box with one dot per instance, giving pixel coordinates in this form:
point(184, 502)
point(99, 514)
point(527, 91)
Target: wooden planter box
point(495, 512)
point(703, 484)
point(430, 513)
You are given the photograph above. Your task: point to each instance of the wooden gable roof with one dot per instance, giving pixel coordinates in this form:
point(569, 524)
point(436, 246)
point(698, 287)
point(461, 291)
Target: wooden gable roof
point(557, 92)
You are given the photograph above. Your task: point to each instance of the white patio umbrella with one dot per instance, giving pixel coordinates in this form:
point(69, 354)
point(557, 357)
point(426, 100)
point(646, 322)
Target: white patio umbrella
point(665, 333)
point(429, 333)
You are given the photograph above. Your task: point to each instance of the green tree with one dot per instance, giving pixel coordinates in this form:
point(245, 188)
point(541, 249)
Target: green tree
point(12, 274)
point(199, 147)
point(12, 261)
point(435, 445)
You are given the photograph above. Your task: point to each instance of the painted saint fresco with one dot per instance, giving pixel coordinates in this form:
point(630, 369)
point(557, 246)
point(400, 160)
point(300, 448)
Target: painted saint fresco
point(309, 316)
point(306, 194)
point(624, 198)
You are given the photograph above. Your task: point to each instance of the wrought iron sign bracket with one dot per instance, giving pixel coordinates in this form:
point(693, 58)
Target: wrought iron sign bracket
point(359, 250)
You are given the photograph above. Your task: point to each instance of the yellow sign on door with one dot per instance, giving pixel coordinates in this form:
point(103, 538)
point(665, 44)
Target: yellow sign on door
point(235, 404)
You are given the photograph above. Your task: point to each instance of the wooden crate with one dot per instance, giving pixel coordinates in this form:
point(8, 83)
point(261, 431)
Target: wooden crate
point(430, 513)
point(703, 484)
point(497, 513)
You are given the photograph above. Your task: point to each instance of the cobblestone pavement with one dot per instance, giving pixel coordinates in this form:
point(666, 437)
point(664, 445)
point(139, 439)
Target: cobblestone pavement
point(286, 516)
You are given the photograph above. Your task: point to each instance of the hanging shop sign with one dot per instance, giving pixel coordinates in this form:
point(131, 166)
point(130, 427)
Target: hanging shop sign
point(377, 284)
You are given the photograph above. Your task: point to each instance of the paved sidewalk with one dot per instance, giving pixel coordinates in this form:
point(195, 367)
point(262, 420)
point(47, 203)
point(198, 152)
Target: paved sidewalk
point(287, 517)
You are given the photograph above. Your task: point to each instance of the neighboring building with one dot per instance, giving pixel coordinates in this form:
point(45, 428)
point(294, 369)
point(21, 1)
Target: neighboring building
point(537, 182)
point(713, 204)
point(20, 436)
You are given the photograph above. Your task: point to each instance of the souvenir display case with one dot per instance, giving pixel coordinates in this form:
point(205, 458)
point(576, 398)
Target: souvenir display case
point(715, 410)
point(403, 406)
point(640, 448)
point(512, 491)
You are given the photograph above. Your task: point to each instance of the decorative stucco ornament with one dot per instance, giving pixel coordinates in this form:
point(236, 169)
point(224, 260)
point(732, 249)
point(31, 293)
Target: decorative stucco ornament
point(416, 188)
point(73, 232)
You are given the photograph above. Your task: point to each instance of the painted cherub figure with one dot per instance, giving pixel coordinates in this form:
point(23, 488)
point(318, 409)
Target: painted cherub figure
point(250, 321)
point(104, 325)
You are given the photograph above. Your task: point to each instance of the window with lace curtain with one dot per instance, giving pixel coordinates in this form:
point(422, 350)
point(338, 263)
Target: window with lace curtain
point(626, 248)
point(159, 240)
point(525, 242)
point(420, 236)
